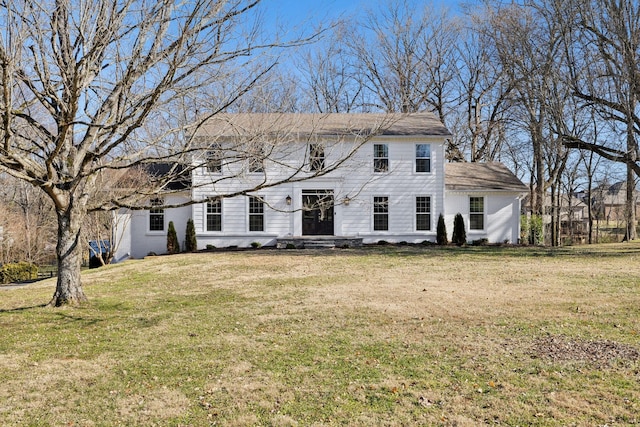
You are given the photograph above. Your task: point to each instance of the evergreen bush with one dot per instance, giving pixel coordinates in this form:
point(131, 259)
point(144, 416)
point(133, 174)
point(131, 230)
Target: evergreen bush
point(459, 233)
point(173, 245)
point(18, 272)
point(191, 243)
point(441, 232)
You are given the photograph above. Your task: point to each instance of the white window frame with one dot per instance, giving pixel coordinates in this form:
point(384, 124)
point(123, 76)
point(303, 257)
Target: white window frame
point(261, 214)
point(375, 203)
point(207, 214)
point(160, 212)
point(214, 162)
point(256, 160)
point(317, 157)
point(430, 212)
point(481, 213)
point(381, 162)
point(417, 158)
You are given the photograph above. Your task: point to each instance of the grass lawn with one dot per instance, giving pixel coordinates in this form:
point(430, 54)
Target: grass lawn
point(383, 336)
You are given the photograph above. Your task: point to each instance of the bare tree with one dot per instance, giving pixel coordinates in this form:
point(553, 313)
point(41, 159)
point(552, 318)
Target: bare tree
point(603, 52)
point(331, 80)
point(404, 55)
point(482, 122)
point(91, 86)
point(528, 45)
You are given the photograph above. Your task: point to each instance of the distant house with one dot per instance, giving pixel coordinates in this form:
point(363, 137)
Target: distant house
point(609, 202)
point(391, 184)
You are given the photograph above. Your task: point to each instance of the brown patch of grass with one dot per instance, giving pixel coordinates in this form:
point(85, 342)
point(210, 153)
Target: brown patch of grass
point(379, 336)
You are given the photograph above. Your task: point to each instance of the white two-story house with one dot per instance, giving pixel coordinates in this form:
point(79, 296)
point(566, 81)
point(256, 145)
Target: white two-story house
point(269, 178)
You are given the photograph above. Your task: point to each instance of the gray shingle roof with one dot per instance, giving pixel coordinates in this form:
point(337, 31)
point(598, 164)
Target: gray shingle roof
point(481, 177)
point(333, 124)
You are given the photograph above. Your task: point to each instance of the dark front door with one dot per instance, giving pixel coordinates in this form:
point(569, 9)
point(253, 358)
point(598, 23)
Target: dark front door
point(317, 213)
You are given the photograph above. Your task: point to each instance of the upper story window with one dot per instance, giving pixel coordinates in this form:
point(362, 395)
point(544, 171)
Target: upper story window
point(423, 158)
point(423, 213)
point(476, 213)
point(381, 213)
point(316, 157)
point(256, 213)
point(214, 215)
point(214, 159)
point(156, 215)
point(256, 159)
point(380, 157)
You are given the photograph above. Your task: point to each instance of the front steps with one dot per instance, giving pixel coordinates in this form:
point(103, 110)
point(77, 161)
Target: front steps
point(318, 242)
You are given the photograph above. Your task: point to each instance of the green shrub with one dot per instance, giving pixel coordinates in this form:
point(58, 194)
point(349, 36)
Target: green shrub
point(441, 232)
point(256, 245)
point(531, 229)
point(173, 245)
point(290, 246)
point(190, 243)
point(459, 233)
point(480, 242)
point(18, 272)
point(210, 247)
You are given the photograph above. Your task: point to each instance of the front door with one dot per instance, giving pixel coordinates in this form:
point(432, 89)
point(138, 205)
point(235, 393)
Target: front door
point(317, 213)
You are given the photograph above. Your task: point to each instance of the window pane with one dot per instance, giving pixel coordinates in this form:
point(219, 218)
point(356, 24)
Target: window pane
point(423, 213)
point(476, 221)
point(423, 165)
point(256, 214)
point(214, 215)
point(476, 204)
point(423, 222)
point(423, 150)
point(156, 216)
point(316, 157)
point(256, 223)
point(214, 162)
point(381, 213)
point(214, 223)
point(380, 165)
point(380, 150)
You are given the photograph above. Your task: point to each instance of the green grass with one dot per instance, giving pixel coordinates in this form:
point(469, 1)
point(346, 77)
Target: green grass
point(379, 336)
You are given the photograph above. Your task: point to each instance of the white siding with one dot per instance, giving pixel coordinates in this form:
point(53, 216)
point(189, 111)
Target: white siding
point(501, 221)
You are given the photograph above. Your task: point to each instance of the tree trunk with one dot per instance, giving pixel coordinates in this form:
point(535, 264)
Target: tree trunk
point(69, 253)
point(630, 209)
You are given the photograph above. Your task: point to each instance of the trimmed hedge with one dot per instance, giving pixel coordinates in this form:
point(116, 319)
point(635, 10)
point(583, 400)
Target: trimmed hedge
point(18, 272)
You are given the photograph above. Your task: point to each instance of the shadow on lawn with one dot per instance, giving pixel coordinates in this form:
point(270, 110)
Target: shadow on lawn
point(415, 250)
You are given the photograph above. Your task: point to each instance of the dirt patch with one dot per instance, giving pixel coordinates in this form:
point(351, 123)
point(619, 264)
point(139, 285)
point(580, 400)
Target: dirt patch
point(599, 353)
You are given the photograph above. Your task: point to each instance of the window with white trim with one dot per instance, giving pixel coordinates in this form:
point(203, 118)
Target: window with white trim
point(214, 215)
point(256, 213)
point(380, 158)
point(423, 158)
point(381, 213)
point(476, 213)
point(316, 157)
point(156, 215)
point(256, 159)
point(214, 159)
point(423, 213)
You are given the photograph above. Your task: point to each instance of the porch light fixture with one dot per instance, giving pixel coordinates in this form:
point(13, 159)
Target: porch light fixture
point(346, 201)
point(288, 200)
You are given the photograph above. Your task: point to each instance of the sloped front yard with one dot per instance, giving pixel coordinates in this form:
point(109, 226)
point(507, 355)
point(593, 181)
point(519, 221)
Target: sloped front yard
point(377, 336)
